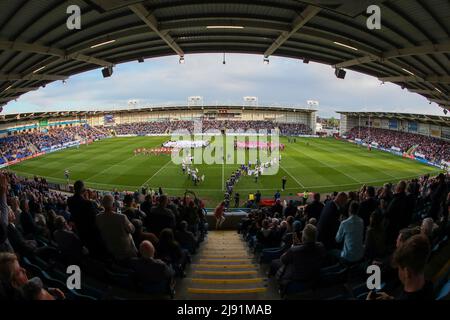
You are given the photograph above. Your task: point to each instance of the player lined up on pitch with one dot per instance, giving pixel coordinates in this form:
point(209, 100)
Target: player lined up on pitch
point(192, 173)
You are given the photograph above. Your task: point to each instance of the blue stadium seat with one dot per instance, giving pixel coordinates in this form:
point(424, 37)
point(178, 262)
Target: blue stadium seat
point(444, 292)
point(269, 254)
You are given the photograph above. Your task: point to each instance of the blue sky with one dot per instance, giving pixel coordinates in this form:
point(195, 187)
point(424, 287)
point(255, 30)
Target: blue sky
point(282, 82)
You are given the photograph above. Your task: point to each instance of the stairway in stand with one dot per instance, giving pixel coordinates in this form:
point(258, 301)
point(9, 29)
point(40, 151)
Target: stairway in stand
point(224, 268)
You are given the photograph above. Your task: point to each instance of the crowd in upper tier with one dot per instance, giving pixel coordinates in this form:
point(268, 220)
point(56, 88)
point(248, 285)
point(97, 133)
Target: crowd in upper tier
point(433, 149)
point(167, 127)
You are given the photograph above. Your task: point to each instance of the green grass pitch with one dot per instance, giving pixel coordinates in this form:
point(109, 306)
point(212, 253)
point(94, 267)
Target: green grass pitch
point(319, 165)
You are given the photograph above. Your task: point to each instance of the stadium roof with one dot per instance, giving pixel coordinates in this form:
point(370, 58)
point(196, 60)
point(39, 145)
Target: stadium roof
point(8, 118)
point(444, 121)
point(412, 48)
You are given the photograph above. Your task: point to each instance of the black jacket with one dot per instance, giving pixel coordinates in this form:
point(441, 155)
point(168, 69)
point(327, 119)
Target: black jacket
point(303, 262)
point(328, 225)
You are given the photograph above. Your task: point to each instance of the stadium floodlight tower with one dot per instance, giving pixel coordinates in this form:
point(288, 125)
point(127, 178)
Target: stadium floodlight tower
point(250, 101)
point(133, 103)
point(312, 103)
point(195, 101)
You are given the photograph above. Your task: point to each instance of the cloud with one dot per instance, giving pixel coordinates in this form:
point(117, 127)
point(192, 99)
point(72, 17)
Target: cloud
point(283, 81)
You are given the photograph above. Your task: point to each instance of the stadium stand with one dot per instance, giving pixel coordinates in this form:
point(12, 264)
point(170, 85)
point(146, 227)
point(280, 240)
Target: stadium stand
point(310, 255)
point(433, 149)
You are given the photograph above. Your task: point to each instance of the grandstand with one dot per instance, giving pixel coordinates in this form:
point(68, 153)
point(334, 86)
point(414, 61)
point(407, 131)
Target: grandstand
point(98, 192)
point(422, 137)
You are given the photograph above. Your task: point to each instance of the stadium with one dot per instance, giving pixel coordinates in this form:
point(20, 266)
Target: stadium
point(232, 201)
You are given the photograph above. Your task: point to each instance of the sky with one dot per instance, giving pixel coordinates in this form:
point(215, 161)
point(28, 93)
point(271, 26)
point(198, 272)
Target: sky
point(283, 81)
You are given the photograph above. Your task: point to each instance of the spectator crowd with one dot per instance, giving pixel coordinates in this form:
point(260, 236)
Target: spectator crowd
point(144, 238)
point(323, 243)
point(26, 144)
point(433, 149)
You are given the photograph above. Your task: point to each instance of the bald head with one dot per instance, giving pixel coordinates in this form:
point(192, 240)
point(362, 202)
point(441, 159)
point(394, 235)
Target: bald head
point(146, 249)
point(108, 202)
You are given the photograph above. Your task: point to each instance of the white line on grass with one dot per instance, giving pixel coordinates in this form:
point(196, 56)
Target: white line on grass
point(160, 169)
point(315, 145)
point(295, 179)
point(115, 164)
point(331, 167)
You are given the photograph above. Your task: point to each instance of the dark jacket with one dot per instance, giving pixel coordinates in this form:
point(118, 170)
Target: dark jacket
point(148, 271)
point(328, 225)
point(159, 219)
point(314, 209)
point(303, 262)
point(82, 214)
point(366, 208)
point(398, 215)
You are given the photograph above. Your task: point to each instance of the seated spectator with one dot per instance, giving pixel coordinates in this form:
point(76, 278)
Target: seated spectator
point(140, 235)
point(130, 210)
point(170, 251)
point(42, 230)
point(13, 278)
point(410, 259)
point(351, 234)
point(116, 230)
point(302, 262)
point(160, 217)
point(375, 242)
point(34, 290)
point(185, 238)
point(68, 242)
point(405, 234)
point(147, 269)
point(428, 229)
